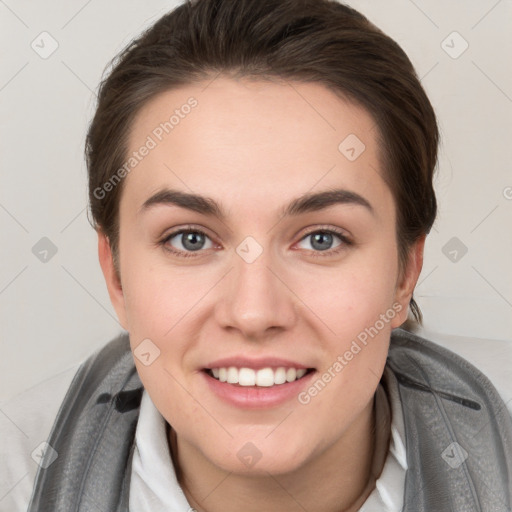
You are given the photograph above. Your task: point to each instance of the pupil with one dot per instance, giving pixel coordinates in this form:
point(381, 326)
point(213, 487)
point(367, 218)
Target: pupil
point(320, 238)
point(192, 241)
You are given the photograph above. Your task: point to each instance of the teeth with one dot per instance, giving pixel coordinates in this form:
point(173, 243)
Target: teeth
point(291, 374)
point(246, 377)
point(280, 376)
point(232, 377)
point(265, 377)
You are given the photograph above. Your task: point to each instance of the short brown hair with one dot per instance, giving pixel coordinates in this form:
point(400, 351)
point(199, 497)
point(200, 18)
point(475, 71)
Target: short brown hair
point(302, 40)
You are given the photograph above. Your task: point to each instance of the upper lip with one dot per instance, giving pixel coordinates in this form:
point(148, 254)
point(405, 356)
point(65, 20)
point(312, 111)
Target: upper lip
point(255, 363)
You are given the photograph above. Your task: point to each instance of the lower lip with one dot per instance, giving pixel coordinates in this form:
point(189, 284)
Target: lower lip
point(257, 397)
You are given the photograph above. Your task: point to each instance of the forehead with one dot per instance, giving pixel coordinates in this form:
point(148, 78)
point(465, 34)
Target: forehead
point(254, 139)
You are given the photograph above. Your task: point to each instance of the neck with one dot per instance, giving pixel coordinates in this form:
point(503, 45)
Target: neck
point(340, 478)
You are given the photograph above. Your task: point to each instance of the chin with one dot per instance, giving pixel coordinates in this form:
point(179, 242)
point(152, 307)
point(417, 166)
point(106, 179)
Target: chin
point(259, 456)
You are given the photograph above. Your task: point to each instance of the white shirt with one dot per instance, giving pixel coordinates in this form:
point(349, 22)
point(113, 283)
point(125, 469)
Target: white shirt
point(154, 486)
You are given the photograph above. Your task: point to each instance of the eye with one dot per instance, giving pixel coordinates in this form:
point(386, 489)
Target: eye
point(186, 241)
point(321, 241)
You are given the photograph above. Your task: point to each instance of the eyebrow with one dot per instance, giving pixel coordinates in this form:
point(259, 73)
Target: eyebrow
point(207, 206)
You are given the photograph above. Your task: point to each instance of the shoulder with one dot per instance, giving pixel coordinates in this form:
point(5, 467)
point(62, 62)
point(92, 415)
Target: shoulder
point(491, 357)
point(25, 424)
point(27, 420)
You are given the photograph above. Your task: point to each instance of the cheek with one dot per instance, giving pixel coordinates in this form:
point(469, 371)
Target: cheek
point(357, 308)
point(162, 304)
point(155, 298)
point(351, 297)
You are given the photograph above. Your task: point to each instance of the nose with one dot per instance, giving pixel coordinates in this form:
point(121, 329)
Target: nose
point(255, 298)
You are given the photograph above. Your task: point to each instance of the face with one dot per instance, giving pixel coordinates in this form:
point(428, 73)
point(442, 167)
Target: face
point(287, 258)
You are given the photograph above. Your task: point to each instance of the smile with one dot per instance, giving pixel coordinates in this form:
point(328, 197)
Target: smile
point(264, 377)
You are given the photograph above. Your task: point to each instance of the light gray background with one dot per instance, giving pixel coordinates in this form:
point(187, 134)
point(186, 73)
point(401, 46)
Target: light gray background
point(55, 313)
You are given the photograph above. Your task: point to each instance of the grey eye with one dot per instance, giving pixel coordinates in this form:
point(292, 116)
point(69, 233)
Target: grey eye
point(321, 240)
point(189, 241)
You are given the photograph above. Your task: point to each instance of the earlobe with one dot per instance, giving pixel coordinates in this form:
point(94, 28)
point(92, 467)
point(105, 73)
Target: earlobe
point(405, 287)
point(114, 287)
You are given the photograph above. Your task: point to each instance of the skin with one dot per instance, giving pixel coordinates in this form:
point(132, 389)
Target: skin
point(253, 146)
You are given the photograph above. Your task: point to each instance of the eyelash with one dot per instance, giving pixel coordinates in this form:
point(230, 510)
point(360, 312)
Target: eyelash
point(346, 242)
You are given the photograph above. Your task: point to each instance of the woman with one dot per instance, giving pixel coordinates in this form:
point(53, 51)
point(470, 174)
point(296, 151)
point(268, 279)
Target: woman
point(260, 178)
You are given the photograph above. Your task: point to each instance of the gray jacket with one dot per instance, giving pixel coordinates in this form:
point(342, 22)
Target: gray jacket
point(458, 433)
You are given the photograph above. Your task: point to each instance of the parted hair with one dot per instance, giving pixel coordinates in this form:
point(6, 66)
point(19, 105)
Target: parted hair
point(322, 41)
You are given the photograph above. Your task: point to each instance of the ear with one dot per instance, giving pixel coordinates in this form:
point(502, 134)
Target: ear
point(115, 290)
point(405, 287)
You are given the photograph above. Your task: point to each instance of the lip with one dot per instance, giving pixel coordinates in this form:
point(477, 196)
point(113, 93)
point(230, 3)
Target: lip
point(255, 364)
point(254, 397)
